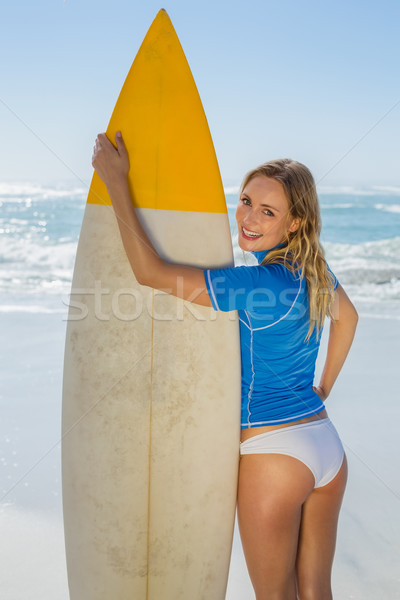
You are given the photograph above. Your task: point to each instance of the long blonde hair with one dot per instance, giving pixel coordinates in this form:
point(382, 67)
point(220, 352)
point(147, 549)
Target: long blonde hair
point(302, 252)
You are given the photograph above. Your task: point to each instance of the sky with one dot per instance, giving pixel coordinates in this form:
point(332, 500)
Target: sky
point(317, 81)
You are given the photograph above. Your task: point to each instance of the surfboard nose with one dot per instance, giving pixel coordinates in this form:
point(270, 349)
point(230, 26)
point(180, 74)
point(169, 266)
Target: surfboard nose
point(165, 130)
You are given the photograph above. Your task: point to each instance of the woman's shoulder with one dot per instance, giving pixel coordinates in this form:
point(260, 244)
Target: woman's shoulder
point(273, 281)
point(280, 273)
point(278, 296)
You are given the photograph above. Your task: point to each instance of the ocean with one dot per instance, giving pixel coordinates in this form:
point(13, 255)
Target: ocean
point(40, 226)
point(39, 230)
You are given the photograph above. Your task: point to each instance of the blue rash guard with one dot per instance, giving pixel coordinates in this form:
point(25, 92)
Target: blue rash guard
point(278, 365)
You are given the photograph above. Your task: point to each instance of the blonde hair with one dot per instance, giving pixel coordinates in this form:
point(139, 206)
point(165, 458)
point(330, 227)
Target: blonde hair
point(303, 251)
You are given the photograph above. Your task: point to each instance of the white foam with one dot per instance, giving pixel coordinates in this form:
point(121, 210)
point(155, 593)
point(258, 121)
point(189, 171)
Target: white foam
point(377, 249)
point(21, 192)
point(30, 308)
point(370, 272)
point(35, 265)
point(39, 252)
point(387, 189)
point(351, 190)
point(232, 189)
point(393, 208)
point(337, 205)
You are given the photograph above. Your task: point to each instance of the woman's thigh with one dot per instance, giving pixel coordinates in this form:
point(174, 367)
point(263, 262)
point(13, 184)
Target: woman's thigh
point(317, 538)
point(272, 491)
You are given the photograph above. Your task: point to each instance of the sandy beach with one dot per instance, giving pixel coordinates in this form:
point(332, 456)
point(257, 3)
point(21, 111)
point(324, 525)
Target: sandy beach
point(363, 406)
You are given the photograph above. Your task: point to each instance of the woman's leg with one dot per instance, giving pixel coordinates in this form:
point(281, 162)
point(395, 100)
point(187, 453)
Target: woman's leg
point(318, 538)
point(272, 491)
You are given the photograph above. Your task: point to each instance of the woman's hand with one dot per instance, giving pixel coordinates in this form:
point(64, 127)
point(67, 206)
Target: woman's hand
point(111, 164)
point(320, 391)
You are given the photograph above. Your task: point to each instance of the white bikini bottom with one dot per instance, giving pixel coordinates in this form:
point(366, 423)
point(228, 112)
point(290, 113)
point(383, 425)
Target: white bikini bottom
point(316, 444)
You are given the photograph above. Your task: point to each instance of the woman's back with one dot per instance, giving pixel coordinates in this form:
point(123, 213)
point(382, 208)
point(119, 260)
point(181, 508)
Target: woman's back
point(278, 363)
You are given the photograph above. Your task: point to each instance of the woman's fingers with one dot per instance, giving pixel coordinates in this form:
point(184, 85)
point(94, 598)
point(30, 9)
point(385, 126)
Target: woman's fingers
point(103, 140)
point(110, 162)
point(120, 144)
point(122, 151)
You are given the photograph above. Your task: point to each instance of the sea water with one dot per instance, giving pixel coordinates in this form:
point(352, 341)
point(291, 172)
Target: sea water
point(39, 230)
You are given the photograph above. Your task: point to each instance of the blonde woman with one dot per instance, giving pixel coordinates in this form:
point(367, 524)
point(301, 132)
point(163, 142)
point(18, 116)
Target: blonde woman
point(293, 468)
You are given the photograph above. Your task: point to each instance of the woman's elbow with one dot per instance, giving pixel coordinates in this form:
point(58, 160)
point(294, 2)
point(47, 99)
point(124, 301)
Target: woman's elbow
point(147, 277)
point(343, 308)
point(142, 279)
point(347, 316)
point(353, 316)
point(140, 276)
point(150, 275)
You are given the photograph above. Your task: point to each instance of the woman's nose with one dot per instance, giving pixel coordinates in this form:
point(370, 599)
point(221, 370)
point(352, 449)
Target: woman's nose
point(250, 218)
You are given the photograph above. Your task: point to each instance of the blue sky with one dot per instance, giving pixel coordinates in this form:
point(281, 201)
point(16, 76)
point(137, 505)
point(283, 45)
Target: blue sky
point(314, 80)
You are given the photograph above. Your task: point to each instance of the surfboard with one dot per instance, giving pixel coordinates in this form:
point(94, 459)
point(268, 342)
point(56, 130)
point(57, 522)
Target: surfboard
point(151, 391)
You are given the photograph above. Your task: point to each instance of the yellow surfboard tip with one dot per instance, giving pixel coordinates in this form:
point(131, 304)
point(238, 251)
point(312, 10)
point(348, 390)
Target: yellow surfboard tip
point(160, 114)
point(161, 16)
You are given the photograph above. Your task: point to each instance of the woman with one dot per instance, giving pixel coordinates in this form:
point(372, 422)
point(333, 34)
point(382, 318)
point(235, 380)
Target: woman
point(293, 469)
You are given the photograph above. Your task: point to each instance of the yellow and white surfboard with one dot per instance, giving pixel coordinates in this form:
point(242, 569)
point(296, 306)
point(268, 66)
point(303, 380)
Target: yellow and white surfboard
point(152, 383)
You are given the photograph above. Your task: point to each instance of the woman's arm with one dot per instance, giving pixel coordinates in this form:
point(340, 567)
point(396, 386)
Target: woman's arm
point(341, 336)
point(112, 166)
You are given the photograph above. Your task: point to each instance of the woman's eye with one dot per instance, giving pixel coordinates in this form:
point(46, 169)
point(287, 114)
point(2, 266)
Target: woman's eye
point(269, 213)
point(245, 200)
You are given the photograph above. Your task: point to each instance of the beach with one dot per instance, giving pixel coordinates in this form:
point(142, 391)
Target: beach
point(363, 406)
point(40, 228)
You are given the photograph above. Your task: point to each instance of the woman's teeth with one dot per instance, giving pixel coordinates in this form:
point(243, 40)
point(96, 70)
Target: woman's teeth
point(251, 233)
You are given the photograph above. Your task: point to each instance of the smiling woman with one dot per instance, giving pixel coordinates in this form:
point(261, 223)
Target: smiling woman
point(263, 214)
point(293, 469)
point(288, 186)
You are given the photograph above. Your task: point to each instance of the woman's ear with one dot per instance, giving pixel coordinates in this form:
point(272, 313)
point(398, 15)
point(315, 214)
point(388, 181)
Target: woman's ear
point(295, 224)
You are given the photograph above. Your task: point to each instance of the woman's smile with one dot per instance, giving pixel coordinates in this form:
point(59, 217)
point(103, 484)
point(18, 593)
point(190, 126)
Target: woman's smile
point(262, 214)
point(250, 234)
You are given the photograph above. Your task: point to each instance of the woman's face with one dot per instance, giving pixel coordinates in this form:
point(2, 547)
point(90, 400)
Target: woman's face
point(262, 215)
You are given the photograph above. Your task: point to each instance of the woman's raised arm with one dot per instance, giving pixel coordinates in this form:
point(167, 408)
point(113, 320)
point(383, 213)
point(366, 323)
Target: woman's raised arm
point(112, 166)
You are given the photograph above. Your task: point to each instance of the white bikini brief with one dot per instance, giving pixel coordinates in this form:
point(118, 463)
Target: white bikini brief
point(316, 444)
